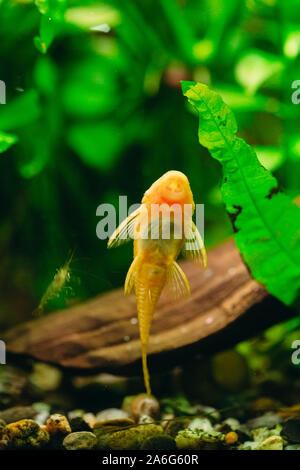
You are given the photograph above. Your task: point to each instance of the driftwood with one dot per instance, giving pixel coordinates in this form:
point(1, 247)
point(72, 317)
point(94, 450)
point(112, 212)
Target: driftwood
point(226, 306)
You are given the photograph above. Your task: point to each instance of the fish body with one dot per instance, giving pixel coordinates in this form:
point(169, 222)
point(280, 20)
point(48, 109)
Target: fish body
point(162, 227)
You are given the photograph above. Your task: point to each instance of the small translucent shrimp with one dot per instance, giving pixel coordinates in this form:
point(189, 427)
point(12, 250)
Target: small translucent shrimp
point(62, 276)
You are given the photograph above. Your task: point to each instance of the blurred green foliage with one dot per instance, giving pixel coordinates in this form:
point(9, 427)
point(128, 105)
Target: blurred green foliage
point(94, 110)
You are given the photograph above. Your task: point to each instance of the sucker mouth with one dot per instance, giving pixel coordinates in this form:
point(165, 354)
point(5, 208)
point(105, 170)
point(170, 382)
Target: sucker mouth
point(175, 195)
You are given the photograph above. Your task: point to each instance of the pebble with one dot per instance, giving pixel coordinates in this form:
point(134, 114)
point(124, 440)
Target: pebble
point(3, 444)
point(166, 418)
point(293, 447)
point(90, 419)
point(196, 440)
point(249, 445)
point(41, 417)
point(290, 412)
point(291, 430)
point(268, 420)
point(264, 404)
point(58, 423)
point(81, 440)
point(163, 442)
point(13, 383)
point(213, 413)
point(134, 437)
point(229, 424)
point(261, 434)
point(16, 413)
point(202, 424)
point(79, 424)
point(75, 414)
point(25, 434)
point(272, 443)
point(43, 412)
point(172, 428)
point(2, 426)
point(111, 414)
point(45, 377)
point(113, 417)
point(145, 419)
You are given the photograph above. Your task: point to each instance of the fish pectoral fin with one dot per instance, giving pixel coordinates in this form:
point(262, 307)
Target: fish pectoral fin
point(130, 277)
point(194, 247)
point(125, 231)
point(177, 283)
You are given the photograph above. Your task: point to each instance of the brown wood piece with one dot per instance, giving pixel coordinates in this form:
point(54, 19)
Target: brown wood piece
point(226, 305)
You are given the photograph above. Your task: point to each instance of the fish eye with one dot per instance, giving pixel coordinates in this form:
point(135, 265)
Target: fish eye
point(174, 189)
point(174, 186)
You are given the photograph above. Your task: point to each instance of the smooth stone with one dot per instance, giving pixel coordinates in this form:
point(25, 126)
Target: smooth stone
point(90, 419)
point(81, 440)
point(76, 414)
point(203, 424)
point(113, 417)
point(13, 382)
point(133, 438)
point(45, 377)
point(111, 414)
point(266, 421)
point(79, 424)
point(291, 429)
point(43, 412)
point(163, 442)
point(272, 443)
point(196, 439)
point(16, 413)
point(293, 447)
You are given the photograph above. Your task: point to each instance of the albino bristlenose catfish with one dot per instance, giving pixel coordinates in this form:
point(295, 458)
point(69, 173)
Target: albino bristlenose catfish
point(161, 227)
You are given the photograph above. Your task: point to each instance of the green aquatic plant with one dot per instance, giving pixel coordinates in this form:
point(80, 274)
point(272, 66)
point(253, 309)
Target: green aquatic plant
point(52, 12)
point(6, 141)
point(266, 221)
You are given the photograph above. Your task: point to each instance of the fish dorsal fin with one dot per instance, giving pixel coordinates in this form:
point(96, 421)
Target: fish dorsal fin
point(125, 231)
point(177, 283)
point(194, 247)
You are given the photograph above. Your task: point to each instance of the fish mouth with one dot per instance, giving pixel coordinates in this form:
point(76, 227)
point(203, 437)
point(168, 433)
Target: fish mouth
point(174, 191)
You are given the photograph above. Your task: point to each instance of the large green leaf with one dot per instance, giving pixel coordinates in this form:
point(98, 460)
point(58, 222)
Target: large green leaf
point(266, 222)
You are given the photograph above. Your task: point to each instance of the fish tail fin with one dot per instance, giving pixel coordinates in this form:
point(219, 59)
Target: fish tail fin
point(148, 287)
point(145, 320)
point(145, 369)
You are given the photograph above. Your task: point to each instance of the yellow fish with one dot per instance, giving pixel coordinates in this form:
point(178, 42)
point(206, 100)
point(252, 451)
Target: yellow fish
point(161, 227)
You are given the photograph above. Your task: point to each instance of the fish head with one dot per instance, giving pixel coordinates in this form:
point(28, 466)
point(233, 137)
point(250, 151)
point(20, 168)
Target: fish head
point(174, 187)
